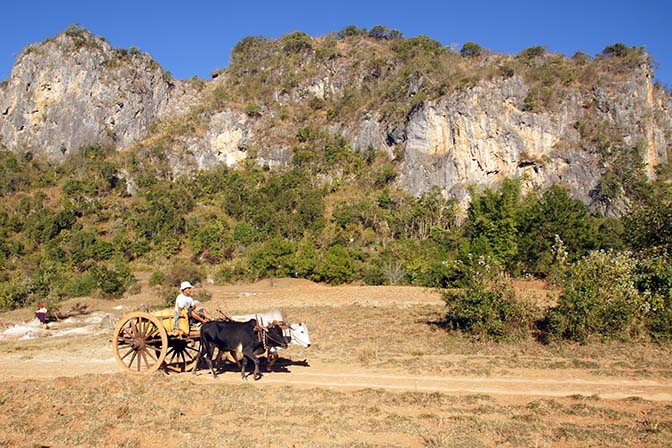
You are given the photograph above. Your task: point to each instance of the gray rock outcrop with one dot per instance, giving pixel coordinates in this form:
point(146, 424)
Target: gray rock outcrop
point(75, 89)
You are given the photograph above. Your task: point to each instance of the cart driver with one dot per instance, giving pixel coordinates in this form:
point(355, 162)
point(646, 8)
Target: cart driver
point(185, 301)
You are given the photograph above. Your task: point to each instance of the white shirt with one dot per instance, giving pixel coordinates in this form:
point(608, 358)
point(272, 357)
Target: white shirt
point(183, 301)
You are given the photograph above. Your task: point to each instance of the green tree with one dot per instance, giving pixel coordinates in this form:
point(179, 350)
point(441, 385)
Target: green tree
point(600, 298)
point(274, 258)
point(338, 266)
point(491, 226)
point(296, 42)
point(487, 306)
point(471, 49)
point(554, 213)
point(350, 31)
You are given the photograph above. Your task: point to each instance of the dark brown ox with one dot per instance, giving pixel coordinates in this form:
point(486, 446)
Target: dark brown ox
point(243, 340)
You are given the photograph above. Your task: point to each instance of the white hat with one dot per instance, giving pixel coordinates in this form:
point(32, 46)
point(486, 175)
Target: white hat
point(185, 285)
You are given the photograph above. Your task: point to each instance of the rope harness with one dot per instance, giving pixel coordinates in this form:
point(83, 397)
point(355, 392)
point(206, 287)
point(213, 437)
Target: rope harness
point(263, 334)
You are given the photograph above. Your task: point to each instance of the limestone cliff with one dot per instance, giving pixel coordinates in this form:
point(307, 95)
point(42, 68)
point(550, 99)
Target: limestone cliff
point(75, 89)
point(483, 135)
point(472, 122)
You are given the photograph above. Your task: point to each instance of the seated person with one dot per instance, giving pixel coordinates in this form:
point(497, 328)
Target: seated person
point(41, 314)
point(185, 301)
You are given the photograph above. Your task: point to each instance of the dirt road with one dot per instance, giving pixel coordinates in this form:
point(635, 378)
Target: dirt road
point(89, 350)
point(530, 383)
point(381, 372)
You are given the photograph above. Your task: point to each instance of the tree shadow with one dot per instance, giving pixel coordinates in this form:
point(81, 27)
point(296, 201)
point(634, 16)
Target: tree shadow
point(540, 329)
point(78, 309)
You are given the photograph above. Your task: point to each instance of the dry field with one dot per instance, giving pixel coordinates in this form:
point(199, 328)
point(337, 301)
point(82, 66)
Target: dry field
point(381, 372)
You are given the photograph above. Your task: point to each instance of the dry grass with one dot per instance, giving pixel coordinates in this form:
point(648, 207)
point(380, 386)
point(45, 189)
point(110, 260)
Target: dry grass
point(355, 330)
point(121, 410)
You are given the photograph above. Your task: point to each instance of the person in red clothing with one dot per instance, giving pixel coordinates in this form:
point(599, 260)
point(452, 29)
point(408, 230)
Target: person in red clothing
point(41, 314)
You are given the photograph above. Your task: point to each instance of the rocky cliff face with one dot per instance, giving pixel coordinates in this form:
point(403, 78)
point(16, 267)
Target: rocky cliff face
point(75, 89)
point(483, 135)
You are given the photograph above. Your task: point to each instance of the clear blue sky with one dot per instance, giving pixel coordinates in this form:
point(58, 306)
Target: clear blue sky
point(196, 37)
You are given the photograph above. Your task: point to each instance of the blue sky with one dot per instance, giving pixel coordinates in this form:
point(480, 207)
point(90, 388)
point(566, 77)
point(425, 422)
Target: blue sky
point(193, 38)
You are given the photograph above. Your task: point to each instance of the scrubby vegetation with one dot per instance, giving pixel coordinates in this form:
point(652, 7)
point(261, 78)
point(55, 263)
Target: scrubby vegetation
point(335, 215)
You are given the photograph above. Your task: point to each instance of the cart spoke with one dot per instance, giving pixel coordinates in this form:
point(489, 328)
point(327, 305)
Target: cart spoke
point(172, 353)
point(124, 340)
point(193, 351)
point(133, 327)
point(135, 354)
point(130, 350)
point(142, 328)
point(151, 330)
point(139, 359)
point(149, 353)
point(144, 358)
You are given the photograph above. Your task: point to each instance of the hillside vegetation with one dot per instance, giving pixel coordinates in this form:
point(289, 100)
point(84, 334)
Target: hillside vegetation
point(336, 215)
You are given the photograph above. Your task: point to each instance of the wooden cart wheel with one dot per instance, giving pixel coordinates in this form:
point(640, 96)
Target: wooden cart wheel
point(140, 343)
point(182, 354)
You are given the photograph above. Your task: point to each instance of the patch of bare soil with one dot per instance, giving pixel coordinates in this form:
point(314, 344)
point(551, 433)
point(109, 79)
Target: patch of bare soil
point(381, 371)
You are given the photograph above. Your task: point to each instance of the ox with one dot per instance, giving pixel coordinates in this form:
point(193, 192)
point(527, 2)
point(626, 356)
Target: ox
point(298, 333)
point(244, 339)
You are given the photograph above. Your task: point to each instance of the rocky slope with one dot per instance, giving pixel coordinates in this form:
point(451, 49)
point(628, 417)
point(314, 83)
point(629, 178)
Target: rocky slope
point(75, 89)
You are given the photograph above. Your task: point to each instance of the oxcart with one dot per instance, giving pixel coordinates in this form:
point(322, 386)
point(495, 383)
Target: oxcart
point(145, 342)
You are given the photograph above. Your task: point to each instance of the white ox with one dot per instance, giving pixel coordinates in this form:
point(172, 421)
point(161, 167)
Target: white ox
point(298, 333)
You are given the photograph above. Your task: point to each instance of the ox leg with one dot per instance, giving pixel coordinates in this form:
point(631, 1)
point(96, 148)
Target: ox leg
point(272, 358)
point(249, 354)
point(243, 364)
point(207, 353)
point(238, 358)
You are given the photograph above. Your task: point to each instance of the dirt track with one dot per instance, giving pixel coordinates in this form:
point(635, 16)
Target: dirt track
point(364, 339)
point(92, 353)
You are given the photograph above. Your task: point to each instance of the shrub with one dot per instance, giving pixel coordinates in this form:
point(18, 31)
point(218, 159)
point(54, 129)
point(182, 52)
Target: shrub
point(418, 46)
point(248, 45)
point(183, 270)
point(600, 298)
point(338, 266)
point(296, 42)
point(618, 49)
point(157, 278)
point(530, 104)
point(487, 307)
point(81, 285)
point(244, 234)
point(350, 31)
point(112, 282)
point(253, 110)
point(654, 281)
point(14, 293)
point(533, 52)
point(275, 258)
point(211, 240)
point(383, 32)
point(471, 49)
point(307, 259)
point(317, 103)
